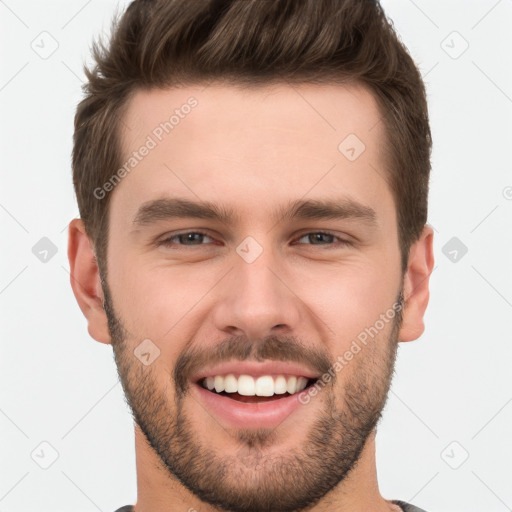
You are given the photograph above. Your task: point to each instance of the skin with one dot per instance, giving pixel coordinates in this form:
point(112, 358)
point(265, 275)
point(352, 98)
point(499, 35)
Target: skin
point(252, 151)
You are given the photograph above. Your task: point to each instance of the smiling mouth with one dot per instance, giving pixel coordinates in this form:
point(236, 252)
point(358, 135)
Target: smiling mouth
point(268, 389)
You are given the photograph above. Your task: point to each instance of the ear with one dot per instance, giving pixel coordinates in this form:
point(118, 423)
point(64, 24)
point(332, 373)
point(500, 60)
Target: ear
point(416, 285)
point(85, 281)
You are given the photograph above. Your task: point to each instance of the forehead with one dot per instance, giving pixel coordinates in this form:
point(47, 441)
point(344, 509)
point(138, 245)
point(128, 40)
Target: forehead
point(254, 145)
point(334, 110)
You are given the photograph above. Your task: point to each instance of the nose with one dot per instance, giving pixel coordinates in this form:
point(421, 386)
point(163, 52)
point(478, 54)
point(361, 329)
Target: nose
point(256, 300)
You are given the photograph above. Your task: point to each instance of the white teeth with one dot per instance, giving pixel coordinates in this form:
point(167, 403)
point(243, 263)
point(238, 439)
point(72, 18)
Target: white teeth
point(265, 385)
point(246, 385)
point(210, 382)
point(291, 385)
point(301, 383)
point(219, 383)
point(280, 385)
point(230, 383)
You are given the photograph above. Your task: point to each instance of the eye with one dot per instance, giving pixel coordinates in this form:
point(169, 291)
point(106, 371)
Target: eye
point(195, 237)
point(323, 237)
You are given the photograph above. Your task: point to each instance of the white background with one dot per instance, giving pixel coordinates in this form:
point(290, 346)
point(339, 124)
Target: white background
point(452, 393)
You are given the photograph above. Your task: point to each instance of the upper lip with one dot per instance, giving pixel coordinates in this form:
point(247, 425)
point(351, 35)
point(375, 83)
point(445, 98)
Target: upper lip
point(256, 369)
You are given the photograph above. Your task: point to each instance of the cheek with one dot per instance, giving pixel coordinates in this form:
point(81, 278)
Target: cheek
point(350, 298)
point(159, 301)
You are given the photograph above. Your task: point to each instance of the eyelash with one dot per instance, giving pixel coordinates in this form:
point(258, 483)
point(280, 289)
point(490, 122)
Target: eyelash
point(168, 241)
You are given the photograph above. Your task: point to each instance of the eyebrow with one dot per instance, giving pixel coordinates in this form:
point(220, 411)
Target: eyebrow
point(311, 209)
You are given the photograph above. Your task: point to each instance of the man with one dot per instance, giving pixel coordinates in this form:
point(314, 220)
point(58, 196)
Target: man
point(252, 178)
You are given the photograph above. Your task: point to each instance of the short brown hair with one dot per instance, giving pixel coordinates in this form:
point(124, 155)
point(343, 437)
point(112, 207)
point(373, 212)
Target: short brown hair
point(163, 43)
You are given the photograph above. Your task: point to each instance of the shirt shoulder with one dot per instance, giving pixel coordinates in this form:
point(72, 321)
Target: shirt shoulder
point(407, 507)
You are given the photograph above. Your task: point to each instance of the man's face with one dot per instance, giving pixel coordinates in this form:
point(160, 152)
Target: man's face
point(257, 287)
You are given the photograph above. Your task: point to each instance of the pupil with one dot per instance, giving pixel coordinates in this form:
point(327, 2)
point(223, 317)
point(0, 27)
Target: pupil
point(190, 237)
point(319, 235)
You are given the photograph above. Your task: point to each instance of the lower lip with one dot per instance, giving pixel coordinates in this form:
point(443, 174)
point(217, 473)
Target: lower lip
point(248, 415)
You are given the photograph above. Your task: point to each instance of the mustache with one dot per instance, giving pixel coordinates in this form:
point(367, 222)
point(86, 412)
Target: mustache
point(242, 348)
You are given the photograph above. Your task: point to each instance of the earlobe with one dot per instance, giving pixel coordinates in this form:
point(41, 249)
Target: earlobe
point(416, 285)
point(85, 281)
